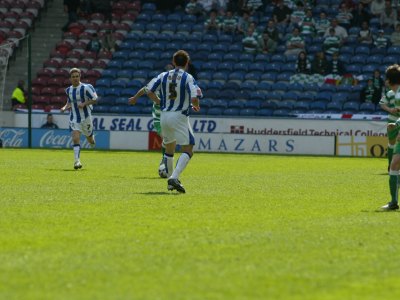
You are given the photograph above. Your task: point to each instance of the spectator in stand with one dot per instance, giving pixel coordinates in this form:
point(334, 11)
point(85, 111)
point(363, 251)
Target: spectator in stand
point(254, 6)
point(295, 43)
point(250, 41)
point(388, 17)
point(308, 24)
point(18, 95)
point(244, 22)
point(103, 7)
point(365, 34)
point(344, 16)
point(303, 64)
point(194, 8)
point(331, 43)
point(281, 13)
point(336, 67)
point(360, 15)
point(266, 44)
point(377, 7)
point(395, 36)
point(71, 7)
point(94, 45)
point(298, 14)
point(273, 33)
point(378, 82)
point(229, 23)
point(50, 123)
point(381, 41)
point(350, 4)
point(322, 24)
point(340, 31)
point(369, 93)
point(209, 5)
point(320, 64)
point(212, 24)
point(109, 42)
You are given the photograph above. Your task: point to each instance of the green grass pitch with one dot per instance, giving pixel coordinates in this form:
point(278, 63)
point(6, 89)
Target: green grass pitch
point(249, 227)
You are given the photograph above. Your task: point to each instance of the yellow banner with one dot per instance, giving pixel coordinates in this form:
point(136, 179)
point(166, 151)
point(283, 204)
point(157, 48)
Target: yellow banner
point(371, 146)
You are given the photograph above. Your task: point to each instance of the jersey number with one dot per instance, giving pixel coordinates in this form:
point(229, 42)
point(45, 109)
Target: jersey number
point(172, 91)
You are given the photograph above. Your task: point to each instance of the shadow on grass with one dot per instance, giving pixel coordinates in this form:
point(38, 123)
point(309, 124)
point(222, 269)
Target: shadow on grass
point(146, 178)
point(160, 193)
point(379, 211)
point(65, 170)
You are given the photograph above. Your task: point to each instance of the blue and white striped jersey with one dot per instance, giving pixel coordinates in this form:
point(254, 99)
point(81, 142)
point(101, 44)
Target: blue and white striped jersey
point(81, 93)
point(175, 88)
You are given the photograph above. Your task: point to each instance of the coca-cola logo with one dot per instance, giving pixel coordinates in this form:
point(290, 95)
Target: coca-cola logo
point(12, 137)
point(53, 139)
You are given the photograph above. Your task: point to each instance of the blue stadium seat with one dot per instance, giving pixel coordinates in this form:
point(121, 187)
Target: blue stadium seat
point(257, 95)
point(236, 76)
point(253, 77)
point(174, 18)
point(359, 59)
point(393, 50)
point(103, 82)
point(254, 104)
point(262, 58)
point(214, 58)
point(246, 58)
point(270, 104)
point(158, 18)
point(274, 67)
point(280, 58)
point(225, 39)
point(102, 109)
point(240, 66)
point(247, 112)
point(219, 48)
point(153, 28)
point(231, 111)
point(215, 111)
point(281, 113)
point(119, 83)
point(109, 101)
point(231, 57)
point(264, 112)
point(225, 67)
point(121, 100)
point(323, 96)
point(222, 103)
point(256, 67)
point(327, 88)
point(247, 86)
point(133, 109)
point(220, 76)
point(168, 28)
point(269, 77)
point(289, 95)
point(334, 106)
point(146, 65)
point(128, 92)
point(285, 104)
point(352, 106)
point(114, 65)
point(236, 103)
point(209, 66)
point(362, 50)
point(125, 73)
point(235, 48)
point(305, 105)
point(114, 92)
point(318, 105)
point(111, 74)
point(390, 59)
point(367, 107)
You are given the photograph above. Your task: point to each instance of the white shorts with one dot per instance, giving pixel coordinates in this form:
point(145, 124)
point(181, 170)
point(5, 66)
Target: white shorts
point(175, 126)
point(85, 126)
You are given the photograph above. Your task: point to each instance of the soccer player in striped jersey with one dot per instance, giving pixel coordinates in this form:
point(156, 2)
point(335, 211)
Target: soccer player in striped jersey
point(391, 103)
point(178, 94)
point(81, 97)
point(155, 112)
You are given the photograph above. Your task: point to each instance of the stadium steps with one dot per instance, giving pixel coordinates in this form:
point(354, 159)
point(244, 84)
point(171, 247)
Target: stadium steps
point(46, 34)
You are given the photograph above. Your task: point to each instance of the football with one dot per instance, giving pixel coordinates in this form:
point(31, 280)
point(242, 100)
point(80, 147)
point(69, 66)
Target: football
point(162, 172)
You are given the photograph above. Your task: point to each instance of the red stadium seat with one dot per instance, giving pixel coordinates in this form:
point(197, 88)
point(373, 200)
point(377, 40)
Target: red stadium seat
point(48, 91)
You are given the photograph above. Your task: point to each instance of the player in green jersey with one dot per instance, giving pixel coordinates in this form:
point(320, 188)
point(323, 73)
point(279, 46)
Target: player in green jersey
point(393, 96)
point(388, 103)
point(156, 112)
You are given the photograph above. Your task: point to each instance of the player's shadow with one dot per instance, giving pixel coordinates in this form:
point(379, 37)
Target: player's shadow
point(146, 178)
point(379, 211)
point(65, 170)
point(159, 193)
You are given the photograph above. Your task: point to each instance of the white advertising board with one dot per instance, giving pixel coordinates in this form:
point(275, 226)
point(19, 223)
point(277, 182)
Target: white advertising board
point(259, 126)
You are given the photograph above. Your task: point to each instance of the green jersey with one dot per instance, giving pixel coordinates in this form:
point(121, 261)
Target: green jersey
point(391, 99)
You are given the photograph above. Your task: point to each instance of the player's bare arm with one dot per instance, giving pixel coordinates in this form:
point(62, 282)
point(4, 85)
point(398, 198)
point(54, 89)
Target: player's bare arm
point(391, 110)
point(153, 97)
point(196, 104)
point(65, 107)
point(140, 93)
